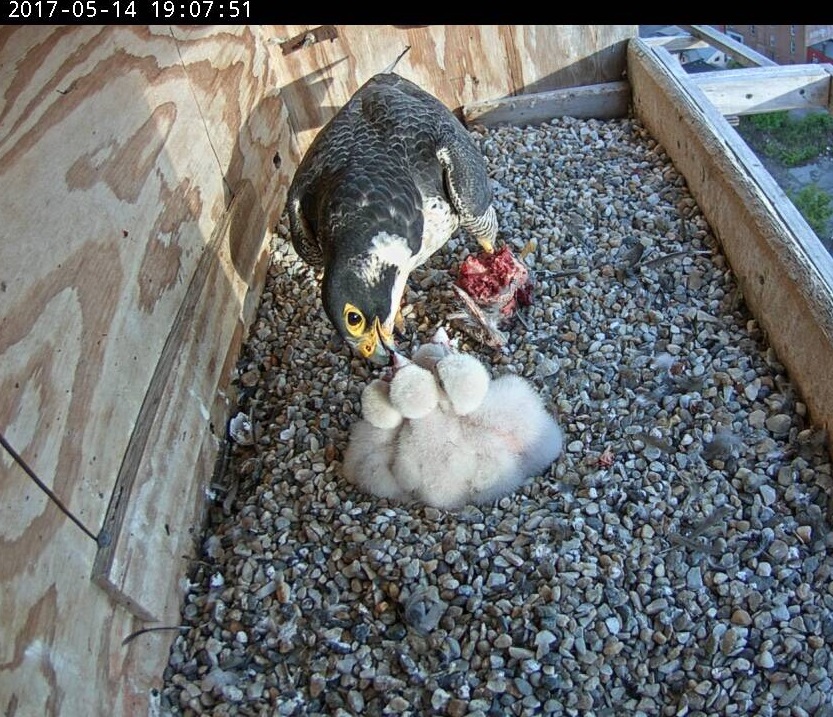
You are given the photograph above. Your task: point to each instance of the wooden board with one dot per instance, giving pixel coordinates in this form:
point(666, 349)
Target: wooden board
point(90, 268)
point(121, 309)
point(677, 43)
point(61, 650)
point(783, 270)
point(756, 90)
point(459, 64)
point(183, 416)
point(740, 53)
point(605, 101)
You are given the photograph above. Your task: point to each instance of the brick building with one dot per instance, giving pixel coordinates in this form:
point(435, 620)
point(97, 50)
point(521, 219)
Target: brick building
point(786, 44)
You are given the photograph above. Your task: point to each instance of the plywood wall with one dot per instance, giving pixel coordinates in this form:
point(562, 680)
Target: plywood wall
point(459, 64)
point(140, 170)
point(136, 185)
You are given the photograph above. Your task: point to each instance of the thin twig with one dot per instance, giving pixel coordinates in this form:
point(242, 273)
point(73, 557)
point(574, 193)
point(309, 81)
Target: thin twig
point(520, 318)
point(138, 633)
point(561, 274)
point(668, 257)
point(684, 540)
point(697, 530)
point(709, 521)
point(396, 61)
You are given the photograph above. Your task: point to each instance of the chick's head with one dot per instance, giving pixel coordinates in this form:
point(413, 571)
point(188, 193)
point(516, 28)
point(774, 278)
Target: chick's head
point(465, 380)
point(413, 390)
point(429, 354)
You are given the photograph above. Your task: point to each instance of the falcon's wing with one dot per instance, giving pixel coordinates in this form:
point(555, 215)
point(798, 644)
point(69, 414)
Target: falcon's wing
point(302, 230)
point(467, 182)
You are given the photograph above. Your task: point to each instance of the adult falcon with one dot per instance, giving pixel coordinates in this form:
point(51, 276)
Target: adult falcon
point(383, 186)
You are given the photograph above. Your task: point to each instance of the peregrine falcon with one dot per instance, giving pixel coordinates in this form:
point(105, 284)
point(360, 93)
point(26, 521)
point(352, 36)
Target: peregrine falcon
point(383, 186)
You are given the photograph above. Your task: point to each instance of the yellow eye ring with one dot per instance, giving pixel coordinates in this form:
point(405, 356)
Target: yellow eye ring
point(354, 320)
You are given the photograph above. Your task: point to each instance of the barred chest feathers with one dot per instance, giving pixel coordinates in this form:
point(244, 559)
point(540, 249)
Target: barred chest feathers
point(440, 221)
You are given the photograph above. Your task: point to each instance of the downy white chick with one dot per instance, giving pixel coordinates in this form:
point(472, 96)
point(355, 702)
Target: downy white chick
point(505, 424)
point(430, 453)
point(413, 391)
point(376, 405)
point(485, 438)
point(514, 436)
point(368, 458)
point(465, 382)
point(443, 432)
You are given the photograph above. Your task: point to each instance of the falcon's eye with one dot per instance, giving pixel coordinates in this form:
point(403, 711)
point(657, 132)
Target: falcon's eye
point(353, 320)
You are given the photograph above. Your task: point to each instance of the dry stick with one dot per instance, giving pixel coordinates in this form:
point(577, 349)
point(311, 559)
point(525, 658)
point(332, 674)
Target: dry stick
point(716, 515)
point(678, 539)
point(158, 628)
point(668, 257)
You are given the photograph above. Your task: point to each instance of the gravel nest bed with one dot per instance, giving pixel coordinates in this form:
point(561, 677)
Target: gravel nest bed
point(674, 560)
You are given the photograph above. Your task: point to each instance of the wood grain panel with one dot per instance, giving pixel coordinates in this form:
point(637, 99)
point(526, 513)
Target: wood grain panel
point(755, 90)
point(459, 64)
point(121, 151)
point(182, 418)
point(88, 260)
point(606, 101)
point(60, 641)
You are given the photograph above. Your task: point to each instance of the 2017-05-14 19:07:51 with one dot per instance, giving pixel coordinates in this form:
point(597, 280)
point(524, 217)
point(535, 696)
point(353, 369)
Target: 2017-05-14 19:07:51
point(164, 9)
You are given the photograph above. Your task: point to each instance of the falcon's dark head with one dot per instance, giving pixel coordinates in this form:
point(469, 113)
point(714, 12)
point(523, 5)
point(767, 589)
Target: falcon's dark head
point(362, 295)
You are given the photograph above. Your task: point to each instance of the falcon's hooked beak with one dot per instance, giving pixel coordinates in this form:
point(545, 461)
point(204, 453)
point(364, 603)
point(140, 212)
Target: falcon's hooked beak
point(376, 344)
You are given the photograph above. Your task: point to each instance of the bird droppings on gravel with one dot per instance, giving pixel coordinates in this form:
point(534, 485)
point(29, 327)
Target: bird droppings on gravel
point(676, 560)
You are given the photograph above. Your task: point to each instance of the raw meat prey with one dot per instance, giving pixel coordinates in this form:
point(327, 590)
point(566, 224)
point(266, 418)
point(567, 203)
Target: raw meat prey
point(496, 280)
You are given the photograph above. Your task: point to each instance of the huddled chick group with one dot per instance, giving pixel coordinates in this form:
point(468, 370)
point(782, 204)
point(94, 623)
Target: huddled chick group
point(442, 432)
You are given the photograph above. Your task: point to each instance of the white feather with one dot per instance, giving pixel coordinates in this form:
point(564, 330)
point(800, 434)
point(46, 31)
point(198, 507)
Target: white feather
point(385, 250)
point(439, 222)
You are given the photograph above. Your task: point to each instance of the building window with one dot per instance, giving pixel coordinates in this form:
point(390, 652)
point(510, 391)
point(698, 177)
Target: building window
point(792, 30)
point(772, 40)
point(792, 46)
point(735, 35)
point(752, 30)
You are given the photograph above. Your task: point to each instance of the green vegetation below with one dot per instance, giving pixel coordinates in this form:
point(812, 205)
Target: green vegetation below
point(815, 206)
point(793, 141)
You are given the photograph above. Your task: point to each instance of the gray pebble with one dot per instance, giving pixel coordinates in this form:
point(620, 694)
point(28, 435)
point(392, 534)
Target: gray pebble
point(779, 424)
